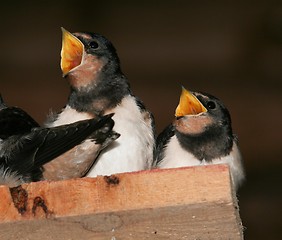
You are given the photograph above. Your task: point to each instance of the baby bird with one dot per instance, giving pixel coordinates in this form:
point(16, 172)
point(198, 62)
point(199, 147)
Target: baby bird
point(201, 134)
point(91, 66)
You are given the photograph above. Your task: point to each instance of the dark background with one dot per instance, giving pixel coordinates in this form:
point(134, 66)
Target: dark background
point(233, 51)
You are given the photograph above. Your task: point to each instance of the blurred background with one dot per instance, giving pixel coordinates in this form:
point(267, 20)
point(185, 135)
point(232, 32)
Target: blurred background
point(233, 51)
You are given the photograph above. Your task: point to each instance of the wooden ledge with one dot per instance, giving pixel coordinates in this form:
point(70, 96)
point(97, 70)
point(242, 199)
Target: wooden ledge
point(182, 203)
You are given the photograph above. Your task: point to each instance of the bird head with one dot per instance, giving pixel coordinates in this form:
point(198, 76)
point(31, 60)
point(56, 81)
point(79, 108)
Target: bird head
point(198, 112)
point(86, 56)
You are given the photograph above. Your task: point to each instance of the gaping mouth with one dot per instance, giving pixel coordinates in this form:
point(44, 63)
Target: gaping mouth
point(189, 105)
point(71, 53)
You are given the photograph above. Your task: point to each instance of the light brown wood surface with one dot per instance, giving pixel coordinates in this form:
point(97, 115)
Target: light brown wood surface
point(183, 203)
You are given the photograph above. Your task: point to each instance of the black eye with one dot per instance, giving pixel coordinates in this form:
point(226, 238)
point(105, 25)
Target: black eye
point(211, 105)
point(93, 45)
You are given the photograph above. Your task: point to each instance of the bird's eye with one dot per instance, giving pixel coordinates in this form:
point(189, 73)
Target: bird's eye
point(211, 105)
point(94, 45)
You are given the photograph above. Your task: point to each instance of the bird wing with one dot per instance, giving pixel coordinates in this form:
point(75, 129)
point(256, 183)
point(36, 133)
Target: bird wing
point(161, 142)
point(41, 145)
point(60, 139)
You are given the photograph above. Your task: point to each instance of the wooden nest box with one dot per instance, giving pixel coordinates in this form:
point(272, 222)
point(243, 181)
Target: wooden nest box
point(180, 203)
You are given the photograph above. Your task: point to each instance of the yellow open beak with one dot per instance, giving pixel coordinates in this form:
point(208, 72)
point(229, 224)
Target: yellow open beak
point(71, 53)
point(188, 104)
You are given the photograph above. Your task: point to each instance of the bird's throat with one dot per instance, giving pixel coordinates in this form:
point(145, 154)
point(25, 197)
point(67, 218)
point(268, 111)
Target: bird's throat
point(87, 74)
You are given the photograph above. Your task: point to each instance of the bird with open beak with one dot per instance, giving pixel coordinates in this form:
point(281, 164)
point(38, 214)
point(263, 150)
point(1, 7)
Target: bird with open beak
point(200, 134)
point(91, 65)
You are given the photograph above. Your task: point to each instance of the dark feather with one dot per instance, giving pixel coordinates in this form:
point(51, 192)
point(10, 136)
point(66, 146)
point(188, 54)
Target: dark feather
point(162, 141)
point(25, 147)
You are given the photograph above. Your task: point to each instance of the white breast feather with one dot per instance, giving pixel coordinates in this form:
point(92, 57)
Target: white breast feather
point(133, 150)
point(176, 156)
point(67, 116)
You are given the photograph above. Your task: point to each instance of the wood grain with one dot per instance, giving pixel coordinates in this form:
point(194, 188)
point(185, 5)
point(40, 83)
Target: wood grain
point(183, 203)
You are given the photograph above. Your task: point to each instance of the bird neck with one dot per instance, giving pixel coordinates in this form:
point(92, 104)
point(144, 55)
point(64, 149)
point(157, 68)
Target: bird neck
point(214, 143)
point(100, 95)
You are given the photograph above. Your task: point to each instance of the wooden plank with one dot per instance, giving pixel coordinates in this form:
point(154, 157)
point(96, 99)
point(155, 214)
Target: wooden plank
point(183, 203)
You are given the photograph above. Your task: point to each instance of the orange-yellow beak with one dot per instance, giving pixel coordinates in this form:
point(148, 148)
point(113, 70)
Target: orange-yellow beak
point(188, 104)
point(71, 53)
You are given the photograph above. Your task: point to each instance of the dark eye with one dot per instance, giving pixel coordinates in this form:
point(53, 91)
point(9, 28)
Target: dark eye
point(93, 45)
point(211, 105)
